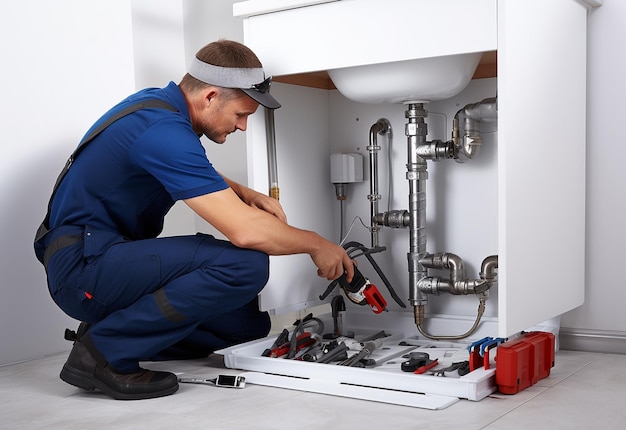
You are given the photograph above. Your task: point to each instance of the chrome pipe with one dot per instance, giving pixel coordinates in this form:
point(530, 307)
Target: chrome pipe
point(416, 131)
point(457, 284)
point(469, 144)
point(382, 126)
point(272, 165)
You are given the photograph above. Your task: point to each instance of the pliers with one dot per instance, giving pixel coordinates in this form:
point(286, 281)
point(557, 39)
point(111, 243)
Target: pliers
point(302, 341)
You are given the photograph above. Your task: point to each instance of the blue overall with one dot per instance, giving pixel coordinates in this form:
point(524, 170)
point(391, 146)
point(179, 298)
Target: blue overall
point(148, 297)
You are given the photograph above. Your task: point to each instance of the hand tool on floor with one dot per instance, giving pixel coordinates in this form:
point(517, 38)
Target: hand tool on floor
point(227, 381)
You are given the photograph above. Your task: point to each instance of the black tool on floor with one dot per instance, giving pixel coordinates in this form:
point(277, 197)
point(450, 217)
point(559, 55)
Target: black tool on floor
point(227, 381)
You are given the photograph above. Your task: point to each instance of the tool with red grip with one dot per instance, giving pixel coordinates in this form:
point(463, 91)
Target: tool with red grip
point(362, 292)
point(374, 299)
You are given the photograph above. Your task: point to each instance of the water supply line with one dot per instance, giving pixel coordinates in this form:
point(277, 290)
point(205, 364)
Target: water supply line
point(272, 165)
point(383, 127)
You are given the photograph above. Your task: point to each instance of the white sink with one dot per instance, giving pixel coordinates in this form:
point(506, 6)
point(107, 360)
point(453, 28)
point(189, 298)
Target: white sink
point(419, 80)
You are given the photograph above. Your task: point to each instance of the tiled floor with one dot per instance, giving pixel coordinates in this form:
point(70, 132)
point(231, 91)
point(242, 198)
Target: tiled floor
point(584, 391)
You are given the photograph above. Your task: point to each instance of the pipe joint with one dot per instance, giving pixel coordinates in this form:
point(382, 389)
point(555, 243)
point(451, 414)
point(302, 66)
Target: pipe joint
point(488, 268)
point(469, 144)
point(417, 175)
point(393, 219)
point(415, 110)
point(446, 261)
point(437, 150)
point(432, 285)
point(415, 129)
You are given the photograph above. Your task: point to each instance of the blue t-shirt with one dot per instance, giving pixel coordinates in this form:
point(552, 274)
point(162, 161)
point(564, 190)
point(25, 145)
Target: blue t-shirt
point(128, 178)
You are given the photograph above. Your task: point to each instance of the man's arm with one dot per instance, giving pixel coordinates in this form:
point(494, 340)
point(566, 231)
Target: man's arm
point(254, 198)
point(248, 226)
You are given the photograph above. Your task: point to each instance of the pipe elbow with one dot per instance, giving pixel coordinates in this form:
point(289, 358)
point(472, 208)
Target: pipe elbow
point(382, 126)
point(472, 141)
point(488, 268)
point(456, 266)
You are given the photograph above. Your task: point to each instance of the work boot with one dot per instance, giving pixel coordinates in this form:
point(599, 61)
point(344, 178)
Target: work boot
point(86, 368)
point(73, 336)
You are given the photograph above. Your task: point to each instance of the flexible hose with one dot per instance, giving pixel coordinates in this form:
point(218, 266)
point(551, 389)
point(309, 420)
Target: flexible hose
point(481, 311)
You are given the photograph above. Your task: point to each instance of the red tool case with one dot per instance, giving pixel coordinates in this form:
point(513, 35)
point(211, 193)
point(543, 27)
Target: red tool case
point(523, 361)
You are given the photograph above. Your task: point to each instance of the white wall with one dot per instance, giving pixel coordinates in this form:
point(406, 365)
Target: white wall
point(605, 296)
point(64, 63)
point(205, 22)
point(67, 61)
point(159, 55)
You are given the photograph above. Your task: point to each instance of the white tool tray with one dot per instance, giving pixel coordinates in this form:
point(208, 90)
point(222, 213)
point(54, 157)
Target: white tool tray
point(385, 382)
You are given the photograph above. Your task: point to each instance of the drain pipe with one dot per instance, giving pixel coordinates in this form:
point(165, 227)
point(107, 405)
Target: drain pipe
point(458, 285)
point(382, 126)
point(419, 261)
point(416, 131)
point(469, 144)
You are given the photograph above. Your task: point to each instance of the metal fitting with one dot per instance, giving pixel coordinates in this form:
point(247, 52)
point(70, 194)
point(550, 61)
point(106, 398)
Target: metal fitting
point(393, 219)
point(437, 150)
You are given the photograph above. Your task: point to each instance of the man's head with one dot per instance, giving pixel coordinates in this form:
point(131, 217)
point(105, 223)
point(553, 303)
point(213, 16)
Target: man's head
point(224, 85)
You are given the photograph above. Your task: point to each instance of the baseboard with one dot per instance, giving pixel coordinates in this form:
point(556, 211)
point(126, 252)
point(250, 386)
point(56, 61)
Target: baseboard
point(607, 341)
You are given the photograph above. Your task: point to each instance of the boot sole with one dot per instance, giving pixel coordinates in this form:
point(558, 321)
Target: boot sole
point(87, 382)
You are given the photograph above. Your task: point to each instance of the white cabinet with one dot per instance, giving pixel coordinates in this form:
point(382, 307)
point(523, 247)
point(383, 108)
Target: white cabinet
point(522, 197)
point(539, 179)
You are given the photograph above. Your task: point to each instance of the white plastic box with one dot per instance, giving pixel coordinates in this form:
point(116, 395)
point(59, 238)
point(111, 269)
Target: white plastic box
point(385, 382)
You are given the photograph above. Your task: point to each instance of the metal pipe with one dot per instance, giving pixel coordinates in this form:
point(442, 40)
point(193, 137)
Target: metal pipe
point(469, 144)
point(416, 131)
point(457, 284)
point(272, 165)
point(382, 126)
point(488, 268)
point(435, 285)
point(446, 261)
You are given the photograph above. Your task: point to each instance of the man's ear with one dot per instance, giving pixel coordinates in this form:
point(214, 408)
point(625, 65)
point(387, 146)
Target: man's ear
point(209, 94)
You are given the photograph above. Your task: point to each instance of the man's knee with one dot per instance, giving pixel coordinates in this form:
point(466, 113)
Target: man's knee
point(252, 268)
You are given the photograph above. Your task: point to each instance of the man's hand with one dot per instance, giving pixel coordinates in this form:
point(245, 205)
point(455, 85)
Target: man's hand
point(257, 200)
point(267, 204)
point(332, 261)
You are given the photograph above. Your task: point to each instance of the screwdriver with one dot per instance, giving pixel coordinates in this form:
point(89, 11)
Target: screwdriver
point(426, 367)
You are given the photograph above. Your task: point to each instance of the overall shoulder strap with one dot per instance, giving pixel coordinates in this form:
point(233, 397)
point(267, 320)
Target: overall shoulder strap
point(145, 104)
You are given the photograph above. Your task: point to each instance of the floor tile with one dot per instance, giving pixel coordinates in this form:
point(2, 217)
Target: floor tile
point(584, 390)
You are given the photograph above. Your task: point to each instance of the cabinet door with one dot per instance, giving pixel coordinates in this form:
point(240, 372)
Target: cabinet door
point(541, 160)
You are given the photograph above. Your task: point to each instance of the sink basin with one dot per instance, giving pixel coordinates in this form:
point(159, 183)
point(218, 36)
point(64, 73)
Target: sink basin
point(419, 80)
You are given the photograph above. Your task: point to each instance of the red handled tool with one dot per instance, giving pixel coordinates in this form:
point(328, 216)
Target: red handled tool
point(361, 291)
point(374, 299)
point(426, 367)
point(302, 341)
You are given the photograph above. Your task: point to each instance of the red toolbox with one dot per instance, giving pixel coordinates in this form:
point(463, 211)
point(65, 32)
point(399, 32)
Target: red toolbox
point(523, 361)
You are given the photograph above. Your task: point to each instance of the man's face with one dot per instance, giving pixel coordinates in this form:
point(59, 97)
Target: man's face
point(225, 115)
